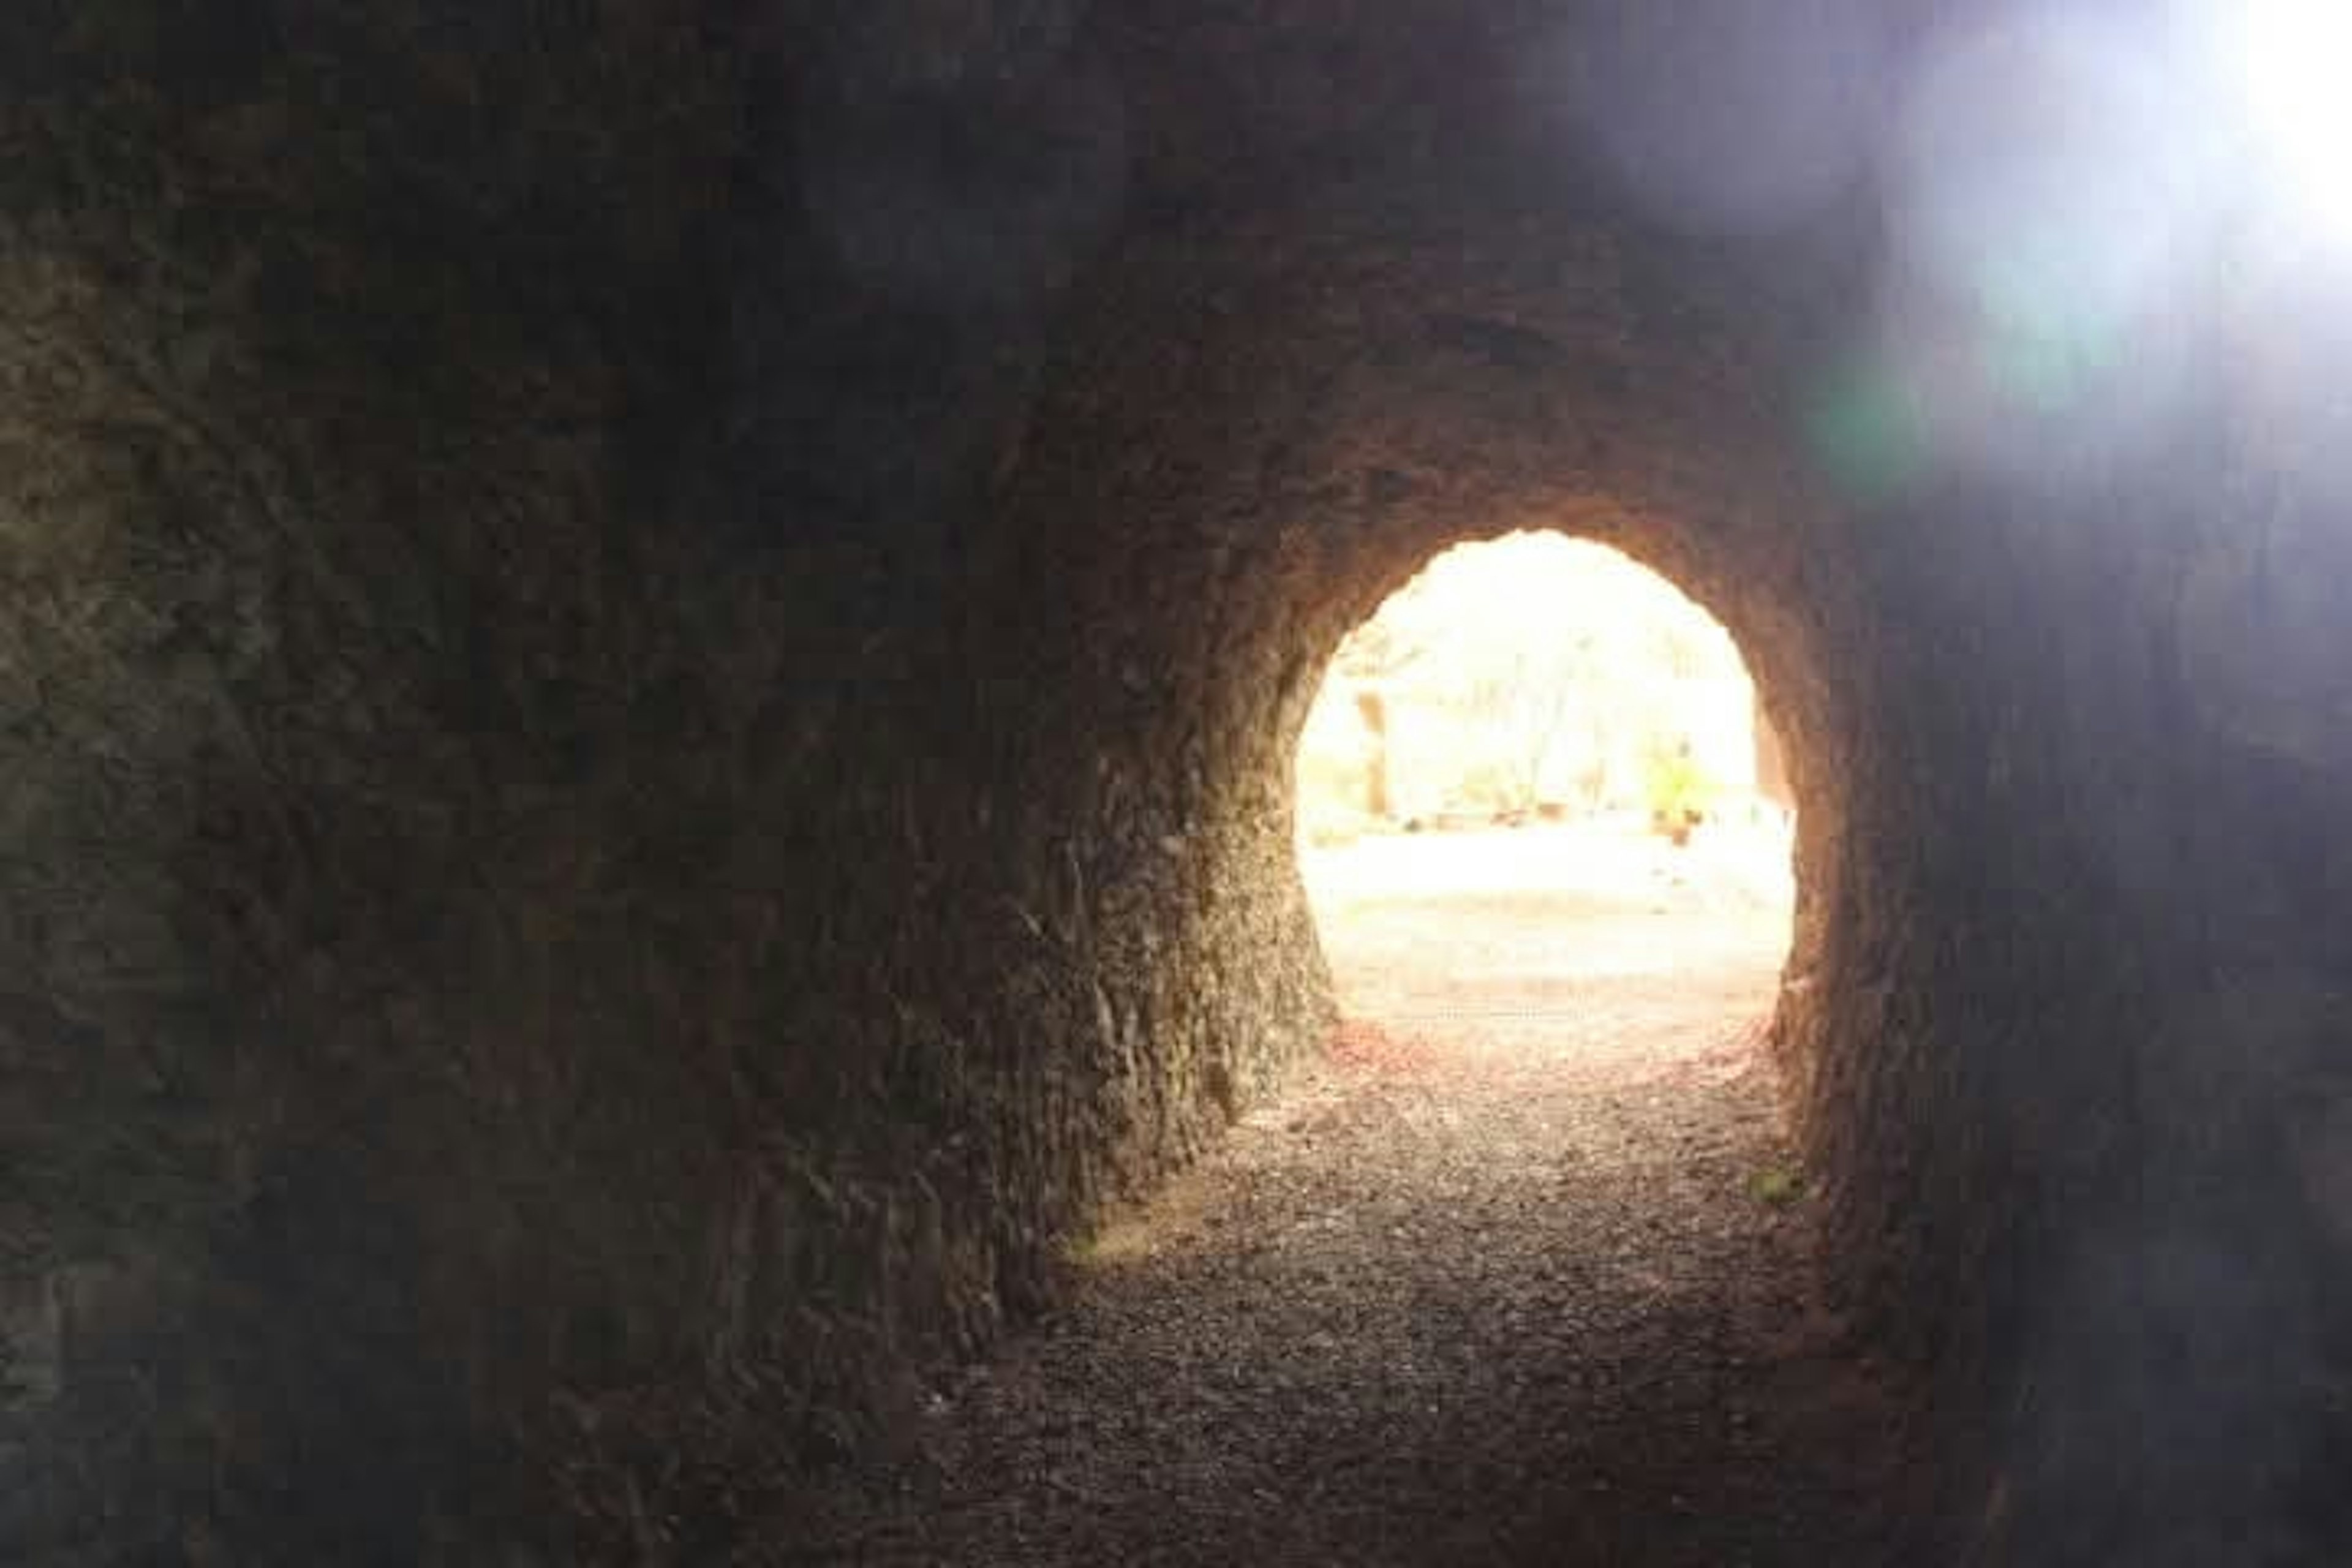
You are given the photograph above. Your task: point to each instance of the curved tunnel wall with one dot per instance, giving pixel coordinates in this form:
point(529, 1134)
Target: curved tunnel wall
point(1983, 681)
point(1281, 449)
point(615, 826)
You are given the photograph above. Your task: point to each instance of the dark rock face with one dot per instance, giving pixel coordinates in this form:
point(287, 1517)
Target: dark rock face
point(644, 720)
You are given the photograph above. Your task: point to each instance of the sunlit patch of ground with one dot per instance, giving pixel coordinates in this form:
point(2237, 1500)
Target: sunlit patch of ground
point(1520, 1271)
point(1606, 863)
point(1560, 941)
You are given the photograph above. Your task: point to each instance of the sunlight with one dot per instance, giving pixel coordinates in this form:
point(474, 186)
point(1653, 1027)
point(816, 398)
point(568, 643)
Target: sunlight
point(1538, 769)
point(2297, 53)
point(1532, 677)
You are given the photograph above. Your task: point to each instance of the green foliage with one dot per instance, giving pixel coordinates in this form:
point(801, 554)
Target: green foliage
point(1776, 1186)
point(1677, 788)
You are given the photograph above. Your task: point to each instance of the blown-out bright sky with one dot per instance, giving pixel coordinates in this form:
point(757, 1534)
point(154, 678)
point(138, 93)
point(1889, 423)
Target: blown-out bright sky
point(1528, 588)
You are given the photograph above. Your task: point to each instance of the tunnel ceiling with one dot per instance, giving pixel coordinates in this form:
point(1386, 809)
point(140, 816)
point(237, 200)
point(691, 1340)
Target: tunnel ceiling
point(647, 695)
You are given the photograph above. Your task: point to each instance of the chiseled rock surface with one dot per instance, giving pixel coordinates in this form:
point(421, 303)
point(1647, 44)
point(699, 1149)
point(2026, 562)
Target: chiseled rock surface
point(644, 707)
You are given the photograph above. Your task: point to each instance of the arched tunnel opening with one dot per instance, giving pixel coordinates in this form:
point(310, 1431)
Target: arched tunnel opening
point(648, 692)
point(1537, 805)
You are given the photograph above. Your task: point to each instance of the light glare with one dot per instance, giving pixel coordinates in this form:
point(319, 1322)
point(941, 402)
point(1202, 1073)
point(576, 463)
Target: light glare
point(2298, 61)
point(2047, 201)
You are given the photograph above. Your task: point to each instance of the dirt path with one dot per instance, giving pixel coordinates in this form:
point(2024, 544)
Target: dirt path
point(1513, 1278)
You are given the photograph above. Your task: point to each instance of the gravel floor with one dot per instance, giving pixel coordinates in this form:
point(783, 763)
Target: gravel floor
point(1514, 1276)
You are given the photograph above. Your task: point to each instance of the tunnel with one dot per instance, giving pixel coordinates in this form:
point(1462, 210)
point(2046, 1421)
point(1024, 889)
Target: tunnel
point(653, 653)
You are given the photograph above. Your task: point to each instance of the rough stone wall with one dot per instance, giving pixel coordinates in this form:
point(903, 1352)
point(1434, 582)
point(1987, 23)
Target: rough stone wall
point(648, 692)
point(516, 1021)
point(334, 714)
point(1285, 424)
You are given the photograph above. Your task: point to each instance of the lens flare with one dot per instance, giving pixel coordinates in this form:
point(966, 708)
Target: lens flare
point(2296, 55)
point(2049, 206)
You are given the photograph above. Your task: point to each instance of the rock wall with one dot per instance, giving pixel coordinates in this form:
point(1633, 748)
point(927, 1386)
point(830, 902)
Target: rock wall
point(647, 704)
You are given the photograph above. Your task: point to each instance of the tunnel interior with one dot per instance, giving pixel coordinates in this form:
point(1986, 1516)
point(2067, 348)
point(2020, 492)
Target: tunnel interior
point(653, 653)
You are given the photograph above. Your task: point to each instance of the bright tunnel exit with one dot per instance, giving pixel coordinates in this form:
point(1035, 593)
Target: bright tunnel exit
point(1540, 812)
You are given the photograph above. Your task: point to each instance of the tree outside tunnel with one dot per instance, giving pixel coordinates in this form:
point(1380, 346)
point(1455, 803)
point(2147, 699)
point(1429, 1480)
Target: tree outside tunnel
point(1536, 769)
point(1533, 676)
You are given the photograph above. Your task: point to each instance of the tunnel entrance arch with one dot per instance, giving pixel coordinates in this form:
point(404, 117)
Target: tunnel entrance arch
point(1534, 813)
point(1318, 432)
point(1535, 676)
point(1336, 410)
point(719, 804)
